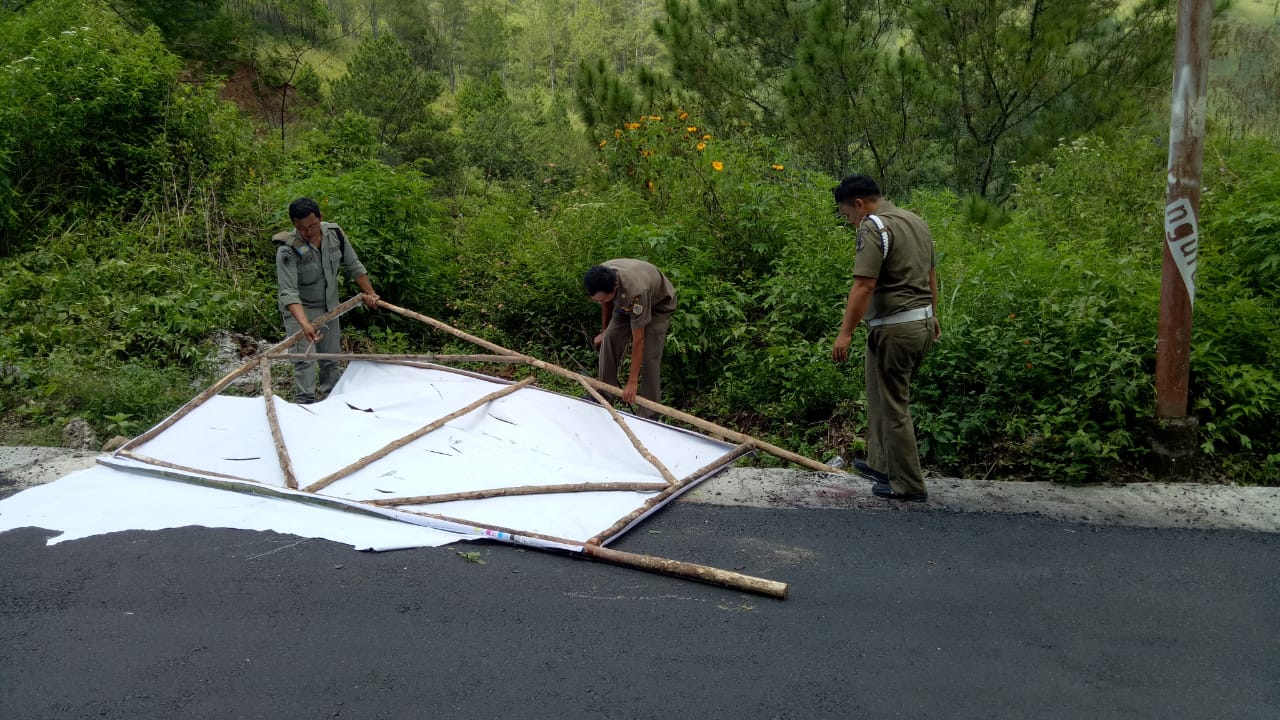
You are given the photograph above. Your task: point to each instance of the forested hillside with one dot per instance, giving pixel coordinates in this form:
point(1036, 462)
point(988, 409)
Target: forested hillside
point(482, 155)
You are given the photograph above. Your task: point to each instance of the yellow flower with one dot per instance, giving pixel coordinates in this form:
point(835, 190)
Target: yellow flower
point(603, 143)
point(701, 147)
point(684, 115)
point(706, 137)
point(649, 184)
point(656, 118)
point(776, 166)
point(617, 133)
point(646, 153)
point(692, 128)
point(634, 126)
point(719, 166)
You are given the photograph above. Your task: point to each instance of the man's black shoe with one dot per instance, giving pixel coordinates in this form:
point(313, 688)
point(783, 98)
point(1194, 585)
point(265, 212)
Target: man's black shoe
point(883, 490)
point(865, 471)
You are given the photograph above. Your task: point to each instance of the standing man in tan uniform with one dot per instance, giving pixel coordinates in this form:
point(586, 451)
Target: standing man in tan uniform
point(895, 289)
point(636, 304)
point(307, 262)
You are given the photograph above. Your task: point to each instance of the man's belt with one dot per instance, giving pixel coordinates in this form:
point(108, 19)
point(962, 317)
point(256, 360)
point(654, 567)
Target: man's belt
point(921, 313)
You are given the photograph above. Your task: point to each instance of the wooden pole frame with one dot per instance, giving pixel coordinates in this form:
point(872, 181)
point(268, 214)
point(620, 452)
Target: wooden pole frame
point(594, 548)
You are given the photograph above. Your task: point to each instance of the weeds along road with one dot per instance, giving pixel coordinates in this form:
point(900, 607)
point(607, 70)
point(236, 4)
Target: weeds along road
point(919, 615)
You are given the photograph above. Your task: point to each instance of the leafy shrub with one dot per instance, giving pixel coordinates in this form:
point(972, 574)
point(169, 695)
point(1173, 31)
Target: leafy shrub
point(83, 121)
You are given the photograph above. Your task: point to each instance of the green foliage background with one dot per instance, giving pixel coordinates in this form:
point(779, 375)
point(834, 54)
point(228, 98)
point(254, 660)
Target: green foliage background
point(136, 206)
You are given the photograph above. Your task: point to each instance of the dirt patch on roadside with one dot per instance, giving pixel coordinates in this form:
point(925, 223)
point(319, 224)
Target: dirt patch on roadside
point(25, 467)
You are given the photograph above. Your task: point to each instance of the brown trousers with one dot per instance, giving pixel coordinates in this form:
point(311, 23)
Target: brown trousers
point(894, 354)
point(617, 338)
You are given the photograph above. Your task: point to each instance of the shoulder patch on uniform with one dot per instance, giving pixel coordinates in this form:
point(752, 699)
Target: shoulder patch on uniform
point(883, 231)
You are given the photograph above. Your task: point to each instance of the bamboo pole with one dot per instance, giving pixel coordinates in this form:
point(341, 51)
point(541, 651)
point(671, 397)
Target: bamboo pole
point(324, 319)
point(670, 412)
point(269, 396)
point(230, 377)
point(686, 570)
point(635, 441)
point(718, 463)
point(520, 490)
point(691, 571)
point(432, 426)
point(385, 358)
point(602, 537)
point(246, 486)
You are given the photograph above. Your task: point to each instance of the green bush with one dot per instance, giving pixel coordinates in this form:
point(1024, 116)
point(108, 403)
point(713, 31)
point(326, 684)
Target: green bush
point(83, 122)
point(97, 324)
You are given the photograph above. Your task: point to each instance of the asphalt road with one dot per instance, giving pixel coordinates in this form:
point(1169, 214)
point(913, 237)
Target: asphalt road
point(913, 615)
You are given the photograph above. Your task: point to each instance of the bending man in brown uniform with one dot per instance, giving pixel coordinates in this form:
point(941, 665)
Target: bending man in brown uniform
point(895, 289)
point(636, 303)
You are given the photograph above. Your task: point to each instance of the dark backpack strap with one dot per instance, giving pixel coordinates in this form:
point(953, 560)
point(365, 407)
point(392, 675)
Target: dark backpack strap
point(342, 242)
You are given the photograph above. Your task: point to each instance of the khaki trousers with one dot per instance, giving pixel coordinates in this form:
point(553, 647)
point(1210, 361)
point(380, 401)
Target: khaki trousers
point(617, 338)
point(304, 371)
point(894, 354)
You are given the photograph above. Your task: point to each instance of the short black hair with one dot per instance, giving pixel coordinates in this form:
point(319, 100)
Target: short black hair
point(600, 279)
point(303, 207)
point(854, 187)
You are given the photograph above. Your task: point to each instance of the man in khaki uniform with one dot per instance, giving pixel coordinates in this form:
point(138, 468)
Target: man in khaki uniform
point(895, 289)
point(636, 304)
point(307, 262)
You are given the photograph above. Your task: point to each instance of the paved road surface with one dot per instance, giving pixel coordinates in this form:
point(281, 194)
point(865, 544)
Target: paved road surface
point(910, 615)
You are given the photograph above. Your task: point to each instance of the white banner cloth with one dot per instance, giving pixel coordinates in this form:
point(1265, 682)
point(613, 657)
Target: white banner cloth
point(103, 500)
point(527, 438)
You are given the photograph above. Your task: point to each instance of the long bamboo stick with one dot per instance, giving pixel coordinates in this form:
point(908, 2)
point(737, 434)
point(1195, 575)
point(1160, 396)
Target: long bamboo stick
point(670, 412)
point(434, 425)
point(692, 571)
point(635, 441)
point(687, 570)
point(602, 537)
point(249, 487)
point(230, 377)
point(386, 357)
point(520, 490)
point(269, 396)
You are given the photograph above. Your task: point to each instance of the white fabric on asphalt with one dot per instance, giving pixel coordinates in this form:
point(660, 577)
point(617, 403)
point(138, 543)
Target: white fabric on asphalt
point(103, 500)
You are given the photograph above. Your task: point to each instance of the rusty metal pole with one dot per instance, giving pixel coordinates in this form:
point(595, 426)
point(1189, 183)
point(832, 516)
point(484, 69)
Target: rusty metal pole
point(1175, 438)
